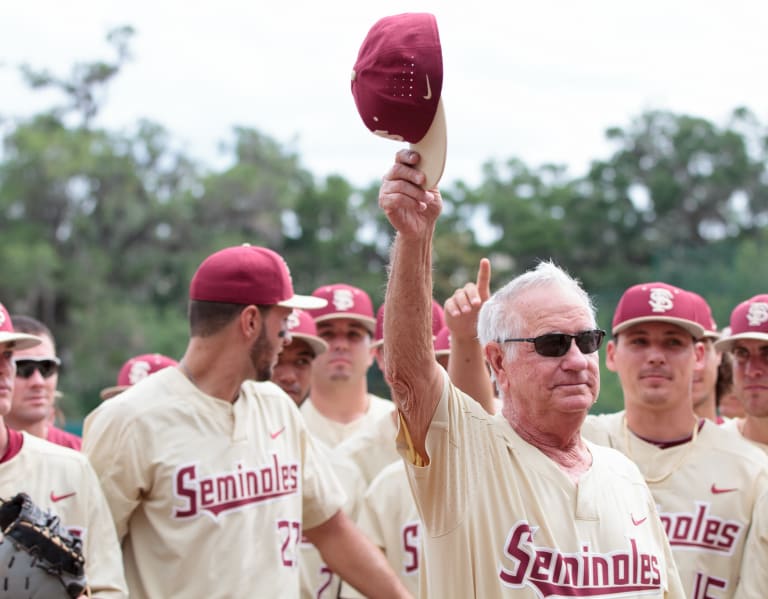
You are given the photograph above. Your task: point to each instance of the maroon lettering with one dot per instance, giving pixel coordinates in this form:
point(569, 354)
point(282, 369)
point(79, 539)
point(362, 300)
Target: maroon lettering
point(411, 547)
point(551, 572)
point(701, 530)
point(226, 491)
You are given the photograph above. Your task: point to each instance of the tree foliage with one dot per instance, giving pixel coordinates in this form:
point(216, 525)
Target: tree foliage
point(102, 230)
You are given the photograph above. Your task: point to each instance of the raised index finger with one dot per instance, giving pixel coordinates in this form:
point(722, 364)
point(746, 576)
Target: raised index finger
point(484, 279)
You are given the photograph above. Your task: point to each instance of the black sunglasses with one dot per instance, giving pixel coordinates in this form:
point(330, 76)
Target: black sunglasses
point(554, 345)
point(26, 368)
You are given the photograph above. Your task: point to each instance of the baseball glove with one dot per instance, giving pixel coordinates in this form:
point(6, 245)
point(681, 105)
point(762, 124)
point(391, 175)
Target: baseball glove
point(38, 557)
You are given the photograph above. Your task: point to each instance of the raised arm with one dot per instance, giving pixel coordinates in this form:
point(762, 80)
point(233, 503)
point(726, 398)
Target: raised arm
point(466, 366)
point(410, 367)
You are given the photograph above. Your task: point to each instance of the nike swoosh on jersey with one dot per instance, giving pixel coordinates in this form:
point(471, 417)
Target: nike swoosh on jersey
point(717, 490)
point(429, 90)
point(55, 498)
point(276, 434)
point(639, 521)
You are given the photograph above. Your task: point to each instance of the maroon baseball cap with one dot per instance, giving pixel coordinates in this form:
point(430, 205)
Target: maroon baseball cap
point(397, 82)
point(345, 301)
point(704, 316)
point(246, 275)
point(443, 342)
point(10, 337)
point(136, 369)
point(749, 320)
point(438, 322)
point(657, 302)
point(302, 326)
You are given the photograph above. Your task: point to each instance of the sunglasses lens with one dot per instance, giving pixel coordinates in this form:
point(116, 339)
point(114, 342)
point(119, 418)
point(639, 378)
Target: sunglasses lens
point(589, 341)
point(26, 368)
point(552, 345)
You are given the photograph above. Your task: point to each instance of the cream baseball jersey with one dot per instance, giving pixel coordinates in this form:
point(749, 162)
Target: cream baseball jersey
point(753, 583)
point(61, 480)
point(331, 432)
point(209, 497)
point(705, 491)
point(374, 447)
point(500, 519)
point(317, 579)
point(734, 425)
point(388, 516)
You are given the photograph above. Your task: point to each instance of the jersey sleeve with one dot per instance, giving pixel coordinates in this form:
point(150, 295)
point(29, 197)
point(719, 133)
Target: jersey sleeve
point(754, 573)
point(323, 494)
point(117, 459)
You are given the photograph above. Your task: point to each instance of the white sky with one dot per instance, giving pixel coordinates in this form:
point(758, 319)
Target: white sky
point(540, 80)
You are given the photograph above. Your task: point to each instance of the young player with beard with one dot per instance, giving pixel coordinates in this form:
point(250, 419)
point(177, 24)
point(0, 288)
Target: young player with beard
point(201, 459)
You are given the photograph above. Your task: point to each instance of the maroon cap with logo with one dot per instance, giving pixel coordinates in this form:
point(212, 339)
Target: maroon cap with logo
point(302, 326)
point(657, 302)
point(10, 337)
point(248, 275)
point(397, 83)
point(704, 316)
point(136, 369)
point(438, 322)
point(345, 301)
point(749, 320)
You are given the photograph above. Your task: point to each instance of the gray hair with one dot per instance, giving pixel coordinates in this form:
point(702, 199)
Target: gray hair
point(498, 318)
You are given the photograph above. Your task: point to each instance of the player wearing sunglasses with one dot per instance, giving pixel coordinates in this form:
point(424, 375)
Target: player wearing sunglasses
point(34, 392)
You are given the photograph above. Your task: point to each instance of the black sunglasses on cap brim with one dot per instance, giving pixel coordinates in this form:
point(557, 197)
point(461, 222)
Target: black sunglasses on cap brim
point(555, 345)
point(47, 367)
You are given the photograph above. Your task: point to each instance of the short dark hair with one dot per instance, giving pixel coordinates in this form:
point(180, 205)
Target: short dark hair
point(208, 318)
point(26, 324)
point(724, 383)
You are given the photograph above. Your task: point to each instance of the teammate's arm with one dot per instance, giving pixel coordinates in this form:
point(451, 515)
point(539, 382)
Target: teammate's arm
point(411, 369)
point(350, 554)
point(466, 365)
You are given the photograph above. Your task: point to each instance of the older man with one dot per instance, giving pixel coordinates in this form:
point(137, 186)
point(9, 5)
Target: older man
point(705, 480)
point(57, 479)
point(516, 504)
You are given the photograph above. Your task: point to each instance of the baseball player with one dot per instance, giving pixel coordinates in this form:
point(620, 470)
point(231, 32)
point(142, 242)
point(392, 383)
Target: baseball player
point(516, 504)
point(56, 478)
point(705, 377)
point(201, 459)
point(34, 392)
point(293, 371)
point(135, 369)
point(747, 343)
point(705, 480)
point(339, 404)
point(388, 516)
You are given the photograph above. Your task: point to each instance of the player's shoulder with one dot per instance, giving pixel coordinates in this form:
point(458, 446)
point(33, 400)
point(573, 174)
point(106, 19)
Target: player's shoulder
point(51, 452)
point(393, 470)
point(730, 442)
point(379, 405)
point(601, 428)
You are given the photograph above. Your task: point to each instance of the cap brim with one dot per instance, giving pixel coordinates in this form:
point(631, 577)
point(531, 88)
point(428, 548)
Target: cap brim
point(693, 328)
point(19, 340)
point(304, 302)
point(318, 345)
point(433, 148)
point(112, 391)
point(726, 344)
point(368, 323)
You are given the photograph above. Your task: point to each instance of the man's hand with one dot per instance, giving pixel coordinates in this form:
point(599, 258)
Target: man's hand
point(462, 308)
point(411, 210)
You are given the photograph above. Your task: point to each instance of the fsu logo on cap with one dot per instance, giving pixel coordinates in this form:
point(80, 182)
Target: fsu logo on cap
point(139, 370)
point(661, 300)
point(343, 299)
point(293, 320)
point(2, 315)
point(757, 314)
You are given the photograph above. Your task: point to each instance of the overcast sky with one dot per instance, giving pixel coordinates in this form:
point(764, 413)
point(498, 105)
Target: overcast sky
point(537, 80)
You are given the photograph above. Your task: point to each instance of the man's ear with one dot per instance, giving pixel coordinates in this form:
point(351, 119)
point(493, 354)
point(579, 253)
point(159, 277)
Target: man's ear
point(610, 352)
point(251, 321)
